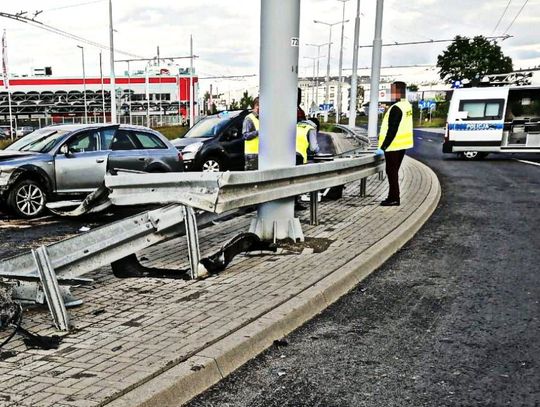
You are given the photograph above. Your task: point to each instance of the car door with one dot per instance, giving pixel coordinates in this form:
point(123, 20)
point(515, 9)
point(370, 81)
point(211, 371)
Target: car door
point(80, 164)
point(125, 152)
point(232, 142)
point(157, 156)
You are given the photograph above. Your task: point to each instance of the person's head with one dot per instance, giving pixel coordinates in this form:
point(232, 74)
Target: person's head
point(299, 97)
point(256, 105)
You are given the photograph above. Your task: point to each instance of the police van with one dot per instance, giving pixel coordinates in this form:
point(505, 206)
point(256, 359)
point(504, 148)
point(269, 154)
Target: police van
point(493, 120)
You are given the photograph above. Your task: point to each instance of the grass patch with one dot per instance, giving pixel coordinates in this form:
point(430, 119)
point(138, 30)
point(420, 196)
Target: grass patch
point(5, 143)
point(172, 132)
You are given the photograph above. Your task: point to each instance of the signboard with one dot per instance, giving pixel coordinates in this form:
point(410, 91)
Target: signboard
point(427, 104)
point(326, 106)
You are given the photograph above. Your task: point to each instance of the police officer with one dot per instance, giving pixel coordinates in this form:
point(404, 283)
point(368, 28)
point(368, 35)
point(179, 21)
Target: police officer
point(396, 136)
point(250, 134)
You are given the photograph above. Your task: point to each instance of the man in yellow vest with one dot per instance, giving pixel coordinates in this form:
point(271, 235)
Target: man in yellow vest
point(396, 136)
point(250, 134)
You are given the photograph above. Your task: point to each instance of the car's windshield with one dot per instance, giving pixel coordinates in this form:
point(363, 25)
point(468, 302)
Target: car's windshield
point(39, 141)
point(210, 126)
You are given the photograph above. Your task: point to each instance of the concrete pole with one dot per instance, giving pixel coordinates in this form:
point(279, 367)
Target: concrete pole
point(375, 73)
point(338, 107)
point(102, 90)
point(84, 85)
point(327, 90)
point(113, 79)
point(191, 93)
point(354, 76)
point(280, 28)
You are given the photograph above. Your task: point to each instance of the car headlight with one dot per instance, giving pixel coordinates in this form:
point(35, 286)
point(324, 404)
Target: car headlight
point(190, 150)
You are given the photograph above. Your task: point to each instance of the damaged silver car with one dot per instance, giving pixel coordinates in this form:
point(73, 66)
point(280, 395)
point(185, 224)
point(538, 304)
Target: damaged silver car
point(68, 161)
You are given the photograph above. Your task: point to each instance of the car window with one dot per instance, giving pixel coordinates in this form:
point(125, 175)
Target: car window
point(482, 109)
point(123, 140)
point(84, 142)
point(106, 138)
point(40, 141)
point(149, 141)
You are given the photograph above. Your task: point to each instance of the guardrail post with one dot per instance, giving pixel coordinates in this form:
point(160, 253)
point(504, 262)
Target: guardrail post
point(363, 187)
point(51, 289)
point(192, 235)
point(313, 208)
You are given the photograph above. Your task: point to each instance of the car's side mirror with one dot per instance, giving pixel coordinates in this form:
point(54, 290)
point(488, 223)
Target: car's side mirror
point(65, 150)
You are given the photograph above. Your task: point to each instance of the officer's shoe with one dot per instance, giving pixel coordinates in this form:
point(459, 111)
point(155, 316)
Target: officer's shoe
point(390, 202)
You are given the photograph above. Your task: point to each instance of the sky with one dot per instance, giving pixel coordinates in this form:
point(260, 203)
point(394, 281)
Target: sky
point(226, 33)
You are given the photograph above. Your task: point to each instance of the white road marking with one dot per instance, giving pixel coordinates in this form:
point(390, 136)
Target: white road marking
point(430, 140)
point(528, 162)
point(420, 138)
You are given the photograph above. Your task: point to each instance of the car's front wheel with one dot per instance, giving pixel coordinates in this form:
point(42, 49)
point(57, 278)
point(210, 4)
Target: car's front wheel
point(212, 164)
point(27, 199)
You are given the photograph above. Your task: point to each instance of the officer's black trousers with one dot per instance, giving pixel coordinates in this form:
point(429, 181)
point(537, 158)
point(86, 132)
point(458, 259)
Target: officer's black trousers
point(393, 162)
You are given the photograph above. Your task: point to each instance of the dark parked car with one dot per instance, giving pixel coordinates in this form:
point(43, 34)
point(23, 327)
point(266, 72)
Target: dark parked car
point(62, 161)
point(214, 143)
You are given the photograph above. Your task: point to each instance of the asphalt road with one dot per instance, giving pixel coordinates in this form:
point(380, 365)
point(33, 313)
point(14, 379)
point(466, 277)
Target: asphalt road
point(451, 320)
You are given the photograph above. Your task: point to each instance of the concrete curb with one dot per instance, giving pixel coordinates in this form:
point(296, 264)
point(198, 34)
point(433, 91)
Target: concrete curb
point(181, 383)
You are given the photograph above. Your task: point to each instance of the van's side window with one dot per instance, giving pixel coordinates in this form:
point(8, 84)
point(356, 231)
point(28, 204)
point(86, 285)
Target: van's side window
point(485, 109)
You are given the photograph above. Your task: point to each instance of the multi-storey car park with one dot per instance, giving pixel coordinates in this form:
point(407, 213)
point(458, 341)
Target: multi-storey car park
point(47, 99)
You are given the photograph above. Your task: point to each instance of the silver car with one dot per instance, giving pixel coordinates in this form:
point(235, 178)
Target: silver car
point(63, 161)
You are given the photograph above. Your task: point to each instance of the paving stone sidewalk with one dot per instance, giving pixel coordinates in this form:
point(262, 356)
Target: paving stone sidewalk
point(129, 331)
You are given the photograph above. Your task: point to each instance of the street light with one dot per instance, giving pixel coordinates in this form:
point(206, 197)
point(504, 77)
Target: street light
point(327, 93)
point(354, 76)
point(318, 57)
point(338, 112)
point(84, 85)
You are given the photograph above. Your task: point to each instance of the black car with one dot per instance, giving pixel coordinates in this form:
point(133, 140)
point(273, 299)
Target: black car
point(214, 143)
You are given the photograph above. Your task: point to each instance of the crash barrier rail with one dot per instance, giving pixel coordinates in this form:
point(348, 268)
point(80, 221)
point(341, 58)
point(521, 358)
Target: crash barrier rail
point(62, 263)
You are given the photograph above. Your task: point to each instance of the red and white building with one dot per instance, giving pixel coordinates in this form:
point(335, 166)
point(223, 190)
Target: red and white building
point(56, 98)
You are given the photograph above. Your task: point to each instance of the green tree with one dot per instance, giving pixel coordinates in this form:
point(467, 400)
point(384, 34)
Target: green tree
point(246, 101)
point(412, 87)
point(471, 59)
point(234, 105)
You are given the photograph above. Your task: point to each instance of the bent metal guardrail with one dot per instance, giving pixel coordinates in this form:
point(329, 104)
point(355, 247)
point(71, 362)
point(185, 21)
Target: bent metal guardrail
point(220, 192)
point(214, 193)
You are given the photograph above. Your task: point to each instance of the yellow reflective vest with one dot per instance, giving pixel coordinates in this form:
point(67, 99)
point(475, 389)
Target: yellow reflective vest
point(404, 135)
point(302, 139)
point(252, 146)
point(302, 143)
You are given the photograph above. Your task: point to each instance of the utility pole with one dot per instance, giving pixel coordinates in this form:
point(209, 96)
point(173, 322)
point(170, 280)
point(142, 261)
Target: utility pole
point(84, 85)
point(191, 93)
point(375, 73)
point(102, 90)
point(113, 79)
point(354, 77)
point(339, 96)
point(280, 30)
point(327, 93)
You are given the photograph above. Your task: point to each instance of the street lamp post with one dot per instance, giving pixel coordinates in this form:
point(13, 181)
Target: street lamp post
point(102, 90)
point(318, 57)
point(84, 85)
point(354, 76)
point(327, 93)
point(113, 79)
point(313, 82)
point(375, 73)
point(339, 96)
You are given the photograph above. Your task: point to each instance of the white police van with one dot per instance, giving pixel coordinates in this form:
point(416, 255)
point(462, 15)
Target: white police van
point(493, 120)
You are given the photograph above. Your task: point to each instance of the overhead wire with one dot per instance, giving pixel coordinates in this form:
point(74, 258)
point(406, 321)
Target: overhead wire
point(502, 16)
point(516, 17)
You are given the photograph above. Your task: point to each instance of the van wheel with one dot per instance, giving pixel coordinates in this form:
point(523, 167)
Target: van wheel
point(27, 199)
point(472, 155)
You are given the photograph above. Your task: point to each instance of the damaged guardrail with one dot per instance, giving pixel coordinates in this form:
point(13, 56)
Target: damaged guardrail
point(63, 263)
point(220, 192)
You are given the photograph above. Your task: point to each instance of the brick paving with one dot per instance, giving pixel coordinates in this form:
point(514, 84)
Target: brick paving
point(128, 331)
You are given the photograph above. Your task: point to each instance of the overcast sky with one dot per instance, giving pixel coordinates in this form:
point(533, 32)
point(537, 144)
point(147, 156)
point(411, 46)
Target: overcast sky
point(226, 32)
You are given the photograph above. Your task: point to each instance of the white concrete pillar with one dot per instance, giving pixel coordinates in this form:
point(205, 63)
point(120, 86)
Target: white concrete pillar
point(280, 29)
